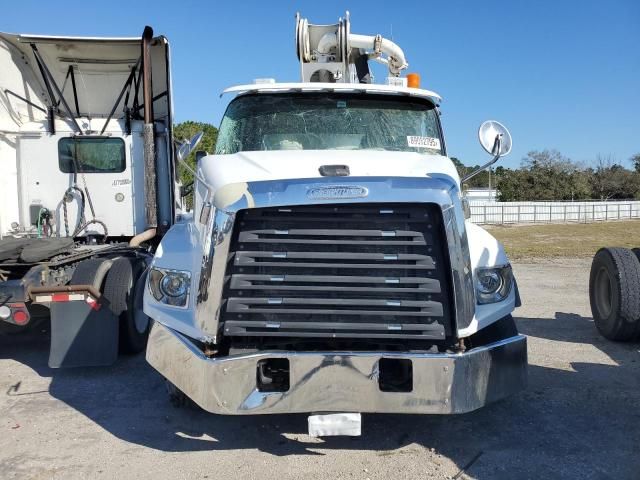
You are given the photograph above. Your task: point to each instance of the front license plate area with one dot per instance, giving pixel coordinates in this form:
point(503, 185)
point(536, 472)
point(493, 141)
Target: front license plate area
point(335, 424)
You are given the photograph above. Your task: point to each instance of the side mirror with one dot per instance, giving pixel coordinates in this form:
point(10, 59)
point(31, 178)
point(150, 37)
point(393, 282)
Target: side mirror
point(186, 189)
point(199, 155)
point(496, 140)
point(187, 146)
point(183, 151)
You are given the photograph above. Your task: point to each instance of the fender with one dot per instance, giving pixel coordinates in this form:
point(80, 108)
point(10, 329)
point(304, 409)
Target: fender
point(486, 251)
point(176, 252)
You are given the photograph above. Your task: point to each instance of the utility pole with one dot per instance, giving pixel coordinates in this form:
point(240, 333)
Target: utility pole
point(489, 182)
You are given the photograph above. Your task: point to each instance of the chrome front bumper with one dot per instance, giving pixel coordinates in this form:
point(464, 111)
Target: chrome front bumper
point(340, 381)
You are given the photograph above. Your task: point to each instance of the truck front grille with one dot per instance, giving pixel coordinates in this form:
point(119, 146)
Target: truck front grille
point(338, 271)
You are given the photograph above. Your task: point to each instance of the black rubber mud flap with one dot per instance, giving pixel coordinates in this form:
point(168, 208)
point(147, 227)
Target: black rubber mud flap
point(82, 336)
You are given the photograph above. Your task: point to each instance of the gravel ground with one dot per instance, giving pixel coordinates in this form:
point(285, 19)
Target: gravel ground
point(579, 417)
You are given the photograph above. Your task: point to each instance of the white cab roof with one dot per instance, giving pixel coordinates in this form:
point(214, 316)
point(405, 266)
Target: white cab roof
point(334, 87)
point(101, 67)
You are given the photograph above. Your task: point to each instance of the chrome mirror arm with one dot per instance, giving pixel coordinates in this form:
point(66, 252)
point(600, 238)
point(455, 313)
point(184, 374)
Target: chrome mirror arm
point(496, 148)
point(195, 174)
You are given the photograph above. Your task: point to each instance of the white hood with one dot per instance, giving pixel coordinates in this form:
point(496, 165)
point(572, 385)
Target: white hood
point(221, 170)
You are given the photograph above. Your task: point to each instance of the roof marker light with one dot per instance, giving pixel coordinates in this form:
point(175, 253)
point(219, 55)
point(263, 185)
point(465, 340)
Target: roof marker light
point(413, 80)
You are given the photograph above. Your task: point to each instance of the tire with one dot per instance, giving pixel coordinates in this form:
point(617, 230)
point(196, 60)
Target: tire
point(91, 272)
point(614, 293)
point(123, 288)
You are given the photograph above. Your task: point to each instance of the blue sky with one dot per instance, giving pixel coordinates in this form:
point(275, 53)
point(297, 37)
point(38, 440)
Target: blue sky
point(559, 74)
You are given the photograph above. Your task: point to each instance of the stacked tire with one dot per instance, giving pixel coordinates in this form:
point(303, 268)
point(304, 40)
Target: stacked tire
point(614, 293)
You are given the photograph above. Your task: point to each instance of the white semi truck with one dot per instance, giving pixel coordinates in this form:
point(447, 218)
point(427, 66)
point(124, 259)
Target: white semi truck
point(330, 266)
point(87, 187)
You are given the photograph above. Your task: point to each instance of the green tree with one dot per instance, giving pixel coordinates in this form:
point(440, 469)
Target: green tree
point(186, 130)
point(544, 175)
point(511, 184)
point(610, 180)
point(635, 160)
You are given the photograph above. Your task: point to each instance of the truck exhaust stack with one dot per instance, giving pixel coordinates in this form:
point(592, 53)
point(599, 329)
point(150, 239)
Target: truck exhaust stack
point(148, 132)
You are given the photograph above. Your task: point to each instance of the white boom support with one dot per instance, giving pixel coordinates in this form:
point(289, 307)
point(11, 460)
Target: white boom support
point(331, 53)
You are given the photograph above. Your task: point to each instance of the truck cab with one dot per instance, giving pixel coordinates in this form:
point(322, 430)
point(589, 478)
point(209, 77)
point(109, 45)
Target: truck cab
point(87, 187)
point(330, 266)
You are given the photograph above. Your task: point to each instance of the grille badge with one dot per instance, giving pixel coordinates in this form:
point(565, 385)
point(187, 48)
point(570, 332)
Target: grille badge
point(330, 192)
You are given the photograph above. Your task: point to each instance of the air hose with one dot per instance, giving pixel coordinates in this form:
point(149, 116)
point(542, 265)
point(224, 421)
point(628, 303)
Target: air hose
point(68, 196)
point(82, 224)
point(44, 223)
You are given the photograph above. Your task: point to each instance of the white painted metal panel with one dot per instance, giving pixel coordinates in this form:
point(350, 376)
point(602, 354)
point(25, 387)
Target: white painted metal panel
point(43, 183)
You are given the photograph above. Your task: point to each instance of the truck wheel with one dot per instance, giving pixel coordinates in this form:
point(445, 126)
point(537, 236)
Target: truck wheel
point(123, 288)
point(614, 293)
point(91, 272)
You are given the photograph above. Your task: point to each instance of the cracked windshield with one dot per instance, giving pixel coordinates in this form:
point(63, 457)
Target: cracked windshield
point(329, 122)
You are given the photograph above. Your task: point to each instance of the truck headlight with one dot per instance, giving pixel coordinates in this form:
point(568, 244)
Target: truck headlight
point(493, 284)
point(170, 287)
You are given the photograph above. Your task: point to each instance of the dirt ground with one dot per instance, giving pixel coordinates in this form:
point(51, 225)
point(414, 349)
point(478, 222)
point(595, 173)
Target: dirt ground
point(579, 417)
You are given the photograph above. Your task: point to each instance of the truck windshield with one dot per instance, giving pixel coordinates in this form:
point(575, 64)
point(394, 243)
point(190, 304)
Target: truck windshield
point(91, 155)
point(328, 121)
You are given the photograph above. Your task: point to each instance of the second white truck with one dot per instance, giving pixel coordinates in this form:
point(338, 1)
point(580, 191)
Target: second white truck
point(88, 187)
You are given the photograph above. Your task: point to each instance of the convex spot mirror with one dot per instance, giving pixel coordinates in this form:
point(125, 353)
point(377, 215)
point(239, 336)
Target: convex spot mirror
point(496, 140)
point(488, 134)
point(188, 146)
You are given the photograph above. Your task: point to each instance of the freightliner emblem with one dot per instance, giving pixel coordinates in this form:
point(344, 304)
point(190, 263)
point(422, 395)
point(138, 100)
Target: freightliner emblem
point(330, 192)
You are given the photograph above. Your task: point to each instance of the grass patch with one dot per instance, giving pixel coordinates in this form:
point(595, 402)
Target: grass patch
point(565, 240)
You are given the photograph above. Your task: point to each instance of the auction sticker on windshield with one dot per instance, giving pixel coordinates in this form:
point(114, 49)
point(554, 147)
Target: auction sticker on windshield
point(423, 142)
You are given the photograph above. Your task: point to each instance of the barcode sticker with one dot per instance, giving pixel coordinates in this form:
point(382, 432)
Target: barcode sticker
point(423, 142)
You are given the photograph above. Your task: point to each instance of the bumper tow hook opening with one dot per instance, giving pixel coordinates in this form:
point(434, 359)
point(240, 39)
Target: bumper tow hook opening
point(273, 375)
point(395, 375)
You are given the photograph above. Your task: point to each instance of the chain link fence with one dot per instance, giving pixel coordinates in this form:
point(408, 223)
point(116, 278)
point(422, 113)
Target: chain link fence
point(553, 212)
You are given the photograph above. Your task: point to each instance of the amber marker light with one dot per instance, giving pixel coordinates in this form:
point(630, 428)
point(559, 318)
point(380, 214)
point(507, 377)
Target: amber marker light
point(413, 80)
